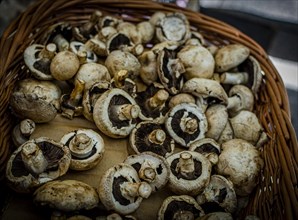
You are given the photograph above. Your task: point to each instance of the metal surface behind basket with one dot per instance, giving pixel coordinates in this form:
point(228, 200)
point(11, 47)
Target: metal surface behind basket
point(276, 197)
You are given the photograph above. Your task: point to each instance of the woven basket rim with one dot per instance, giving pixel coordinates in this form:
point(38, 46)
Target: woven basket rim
point(279, 181)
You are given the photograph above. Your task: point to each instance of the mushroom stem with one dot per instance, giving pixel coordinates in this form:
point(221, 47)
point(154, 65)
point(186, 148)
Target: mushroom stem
point(27, 127)
point(119, 78)
point(48, 51)
point(81, 146)
point(177, 67)
point(61, 42)
point(147, 173)
point(183, 215)
point(77, 93)
point(186, 165)
point(234, 78)
point(33, 158)
point(233, 102)
point(126, 111)
point(157, 136)
point(82, 55)
point(158, 99)
point(189, 125)
point(132, 190)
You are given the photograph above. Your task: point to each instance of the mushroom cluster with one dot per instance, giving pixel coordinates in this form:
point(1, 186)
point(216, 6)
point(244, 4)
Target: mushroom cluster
point(185, 106)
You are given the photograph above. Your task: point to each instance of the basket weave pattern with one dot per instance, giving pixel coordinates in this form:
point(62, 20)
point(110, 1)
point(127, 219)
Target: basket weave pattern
point(276, 197)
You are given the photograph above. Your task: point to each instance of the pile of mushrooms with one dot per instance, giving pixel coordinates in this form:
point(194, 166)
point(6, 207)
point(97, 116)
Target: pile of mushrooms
point(185, 106)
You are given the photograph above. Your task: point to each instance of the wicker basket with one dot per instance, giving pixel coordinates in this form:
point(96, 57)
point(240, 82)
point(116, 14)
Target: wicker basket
point(276, 197)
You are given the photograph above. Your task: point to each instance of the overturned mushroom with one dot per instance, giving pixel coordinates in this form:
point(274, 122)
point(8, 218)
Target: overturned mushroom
point(88, 74)
point(86, 148)
point(207, 91)
point(77, 48)
point(170, 70)
point(240, 98)
point(151, 168)
point(208, 147)
point(66, 195)
point(130, 30)
point(88, 29)
point(121, 189)
point(35, 100)
point(38, 59)
point(91, 95)
point(186, 123)
point(230, 56)
point(246, 126)
point(241, 163)
point(115, 113)
point(190, 172)
point(59, 34)
point(173, 27)
point(35, 162)
point(218, 196)
point(180, 207)
point(150, 136)
point(22, 131)
point(121, 81)
point(152, 102)
point(249, 74)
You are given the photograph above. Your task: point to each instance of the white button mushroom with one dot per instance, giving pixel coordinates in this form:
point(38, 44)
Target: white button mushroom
point(186, 123)
point(115, 113)
point(86, 147)
point(35, 162)
point(35, 100)
point(120, 189)
point(38, 59)
point(190, 172)
point(241, 163)
point(67, 195)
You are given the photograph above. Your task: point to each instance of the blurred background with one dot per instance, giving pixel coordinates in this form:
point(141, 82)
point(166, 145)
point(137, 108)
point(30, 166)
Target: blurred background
point(271, 23)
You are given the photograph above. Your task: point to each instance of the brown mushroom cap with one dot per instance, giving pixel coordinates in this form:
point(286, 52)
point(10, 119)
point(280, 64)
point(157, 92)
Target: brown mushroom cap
point(152, 137)
point(120, 189)
point(190, 172)
point(36, 100)
point(207, 91)
point(51, 160)
point(120, 60)
point(151, 168)
point(64, 65)
point(67, 195)
point(86, 147)
point(241, 163)
point(186, 123)
point(246, 126)
point(230, 56)
point(181, 98)
point(180, 207)
point(218, 196)
point(115, 113)
point(197, 61)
